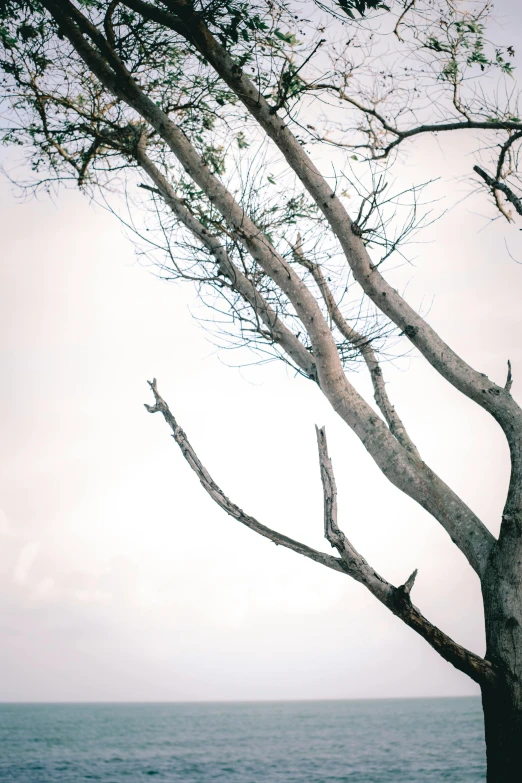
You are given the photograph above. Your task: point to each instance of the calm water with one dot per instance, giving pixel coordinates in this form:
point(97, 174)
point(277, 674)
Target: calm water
point(417, 740)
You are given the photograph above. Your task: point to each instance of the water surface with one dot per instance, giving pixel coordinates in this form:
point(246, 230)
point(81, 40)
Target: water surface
point(381, 741)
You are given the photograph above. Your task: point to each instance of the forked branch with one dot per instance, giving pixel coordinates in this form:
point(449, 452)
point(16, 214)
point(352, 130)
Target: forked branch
point(497, 185)
point(364, 347)
point(396, 599)
point(350, 562)
point(219, 497)
point(279, 332)
point(397, 463)
point(182, 18)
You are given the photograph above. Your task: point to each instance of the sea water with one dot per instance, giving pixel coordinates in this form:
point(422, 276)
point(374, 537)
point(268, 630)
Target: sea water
point(381, 741)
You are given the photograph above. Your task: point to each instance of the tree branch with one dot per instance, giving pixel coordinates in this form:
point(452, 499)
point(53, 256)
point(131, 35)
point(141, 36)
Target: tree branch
point(495, 184)
point(184, 20)
point(509, 379)
point(350, 562)
point(219, 497)
point(240, 283)
point(364, 346)
point(418, 130)
point(450, 365)
point(399, 466)
point(396, 599)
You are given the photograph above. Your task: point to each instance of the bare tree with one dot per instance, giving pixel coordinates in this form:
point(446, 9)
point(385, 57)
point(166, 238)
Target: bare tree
point(210, 108)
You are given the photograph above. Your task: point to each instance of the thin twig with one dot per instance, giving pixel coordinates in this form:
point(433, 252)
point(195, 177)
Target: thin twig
point(509, 381)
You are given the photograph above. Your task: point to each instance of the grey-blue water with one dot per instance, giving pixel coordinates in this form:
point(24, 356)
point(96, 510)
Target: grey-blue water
point(415, 741)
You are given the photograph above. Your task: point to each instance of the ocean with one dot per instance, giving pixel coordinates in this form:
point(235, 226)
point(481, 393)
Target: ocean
point(381, 741)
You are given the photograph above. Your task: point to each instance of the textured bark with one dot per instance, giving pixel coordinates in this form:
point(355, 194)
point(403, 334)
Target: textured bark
point(351, 562)
point(279, 332)
point(475, 385)
point(402, 468)
point(219, 497)
point(502, 592)
point(498, 563)
point(503, 732)
point(184, 20)
point(364, 346)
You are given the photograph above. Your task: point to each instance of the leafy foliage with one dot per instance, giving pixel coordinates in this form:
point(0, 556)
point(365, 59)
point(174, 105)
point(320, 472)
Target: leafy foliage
point(331, 77)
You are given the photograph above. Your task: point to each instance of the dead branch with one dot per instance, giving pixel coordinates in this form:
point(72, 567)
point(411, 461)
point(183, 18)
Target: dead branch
point(509, 380)
point(397, 599)
point(399, 466)
point(448, 363)
point(350, 562)
point(219, 497)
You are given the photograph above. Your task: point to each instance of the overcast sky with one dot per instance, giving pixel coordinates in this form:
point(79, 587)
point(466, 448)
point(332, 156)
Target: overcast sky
point(119, 578)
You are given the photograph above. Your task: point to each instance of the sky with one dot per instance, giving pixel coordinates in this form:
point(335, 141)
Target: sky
point(121, 580)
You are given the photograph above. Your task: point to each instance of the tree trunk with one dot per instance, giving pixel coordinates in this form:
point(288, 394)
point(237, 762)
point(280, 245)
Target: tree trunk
point(503, 727)
point(502, 702)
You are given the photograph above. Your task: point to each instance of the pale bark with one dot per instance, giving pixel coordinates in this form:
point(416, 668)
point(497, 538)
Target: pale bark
point(279, 332)
point(219, 497)
point(452, 367)
point(498, 563)
point(364, 346)
point(403, 469)
point(351, 562)
point(277, 329)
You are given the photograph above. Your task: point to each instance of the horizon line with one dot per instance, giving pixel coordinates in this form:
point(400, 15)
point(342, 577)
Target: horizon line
point(228, 701)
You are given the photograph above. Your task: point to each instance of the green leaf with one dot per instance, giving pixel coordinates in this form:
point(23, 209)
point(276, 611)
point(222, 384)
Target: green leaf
point(286, 37)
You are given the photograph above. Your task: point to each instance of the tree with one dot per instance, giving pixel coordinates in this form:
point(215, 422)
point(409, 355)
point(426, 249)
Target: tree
point(210, 109)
